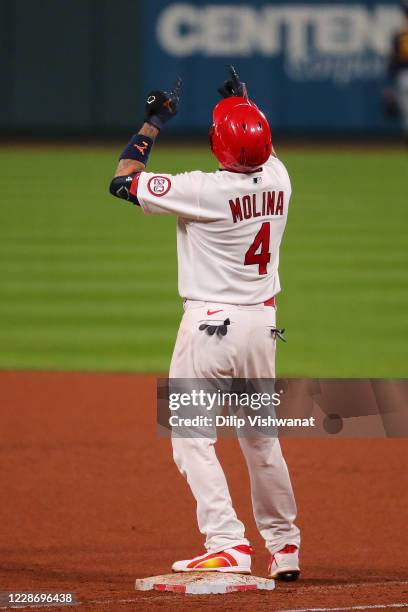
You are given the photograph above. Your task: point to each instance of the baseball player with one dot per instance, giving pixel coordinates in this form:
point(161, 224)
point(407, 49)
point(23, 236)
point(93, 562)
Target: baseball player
point(395, 96)
point(230, 225)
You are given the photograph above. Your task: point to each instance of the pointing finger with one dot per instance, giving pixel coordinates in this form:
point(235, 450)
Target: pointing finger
point(177, 86)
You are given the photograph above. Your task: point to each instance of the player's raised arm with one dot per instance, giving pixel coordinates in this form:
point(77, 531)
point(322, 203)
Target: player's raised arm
point(233, 86)
point(160, 107)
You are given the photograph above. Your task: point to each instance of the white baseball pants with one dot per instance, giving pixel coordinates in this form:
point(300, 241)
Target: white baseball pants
point(247, 351)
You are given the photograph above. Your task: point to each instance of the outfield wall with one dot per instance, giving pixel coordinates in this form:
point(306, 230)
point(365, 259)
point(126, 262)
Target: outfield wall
point(69, 65)
point(84, 65)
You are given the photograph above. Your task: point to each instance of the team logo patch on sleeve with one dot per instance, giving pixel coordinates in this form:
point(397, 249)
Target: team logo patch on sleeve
point(159, 185)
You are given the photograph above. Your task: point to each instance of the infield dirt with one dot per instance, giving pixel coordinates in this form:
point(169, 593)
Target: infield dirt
point(91, 500)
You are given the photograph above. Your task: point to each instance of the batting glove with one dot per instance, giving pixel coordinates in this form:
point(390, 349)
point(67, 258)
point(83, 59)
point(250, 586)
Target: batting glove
point(161, 105)
point(233, 86)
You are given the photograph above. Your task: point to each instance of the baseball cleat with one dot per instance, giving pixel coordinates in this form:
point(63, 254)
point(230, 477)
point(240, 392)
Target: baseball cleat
point(284, 564)
point(236, 559)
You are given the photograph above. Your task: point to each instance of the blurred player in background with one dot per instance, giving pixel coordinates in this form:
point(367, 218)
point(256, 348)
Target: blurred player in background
point(395, 97)
point(229, 228)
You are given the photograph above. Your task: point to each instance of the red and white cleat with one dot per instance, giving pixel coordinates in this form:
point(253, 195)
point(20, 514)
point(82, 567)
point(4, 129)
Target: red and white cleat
point(236, 559)
point(284, 565)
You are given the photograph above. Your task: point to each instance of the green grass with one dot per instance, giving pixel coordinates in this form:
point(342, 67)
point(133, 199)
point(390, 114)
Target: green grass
point(89, 283)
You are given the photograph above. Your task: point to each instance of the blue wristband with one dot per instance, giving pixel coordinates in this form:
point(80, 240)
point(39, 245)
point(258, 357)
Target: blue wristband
point(138, 148)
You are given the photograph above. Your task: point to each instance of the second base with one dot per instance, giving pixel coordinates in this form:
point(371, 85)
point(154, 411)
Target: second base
point(204, 583)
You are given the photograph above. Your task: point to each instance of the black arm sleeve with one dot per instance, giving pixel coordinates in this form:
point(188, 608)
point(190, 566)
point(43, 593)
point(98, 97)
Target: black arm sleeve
point(120, 188)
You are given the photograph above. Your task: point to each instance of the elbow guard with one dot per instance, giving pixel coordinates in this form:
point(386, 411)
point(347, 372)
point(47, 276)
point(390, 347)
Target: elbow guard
point(125, 187)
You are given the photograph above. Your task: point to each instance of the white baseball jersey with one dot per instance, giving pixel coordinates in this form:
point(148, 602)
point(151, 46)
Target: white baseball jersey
point(229, 229)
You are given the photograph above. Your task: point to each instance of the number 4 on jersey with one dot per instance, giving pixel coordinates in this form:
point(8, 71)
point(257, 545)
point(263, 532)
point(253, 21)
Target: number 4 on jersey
point(263, 257)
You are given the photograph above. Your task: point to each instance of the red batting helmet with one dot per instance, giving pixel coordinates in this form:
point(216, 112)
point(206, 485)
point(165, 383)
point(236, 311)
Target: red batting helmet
point(240, 136)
